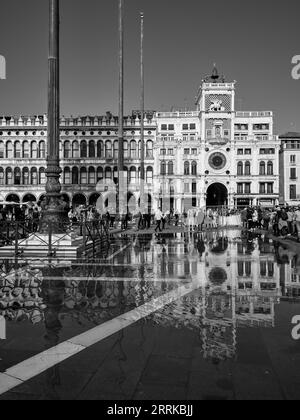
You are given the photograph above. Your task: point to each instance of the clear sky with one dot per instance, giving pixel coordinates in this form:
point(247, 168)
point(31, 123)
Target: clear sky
point(252, 42)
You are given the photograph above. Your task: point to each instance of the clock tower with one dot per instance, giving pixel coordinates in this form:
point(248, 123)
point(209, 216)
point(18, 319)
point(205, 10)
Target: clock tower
point(216, 106)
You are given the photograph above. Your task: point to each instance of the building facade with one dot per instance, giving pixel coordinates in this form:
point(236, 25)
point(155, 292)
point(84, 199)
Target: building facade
point(290, 169)
point(216, 156)
point(212, 156)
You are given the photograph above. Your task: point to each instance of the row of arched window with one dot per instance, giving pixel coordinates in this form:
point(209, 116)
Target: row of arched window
point(75, 149)
point(92, 175)
point(167, 168)
point(23, 176)
point(23, 150)
point(265, 168)
point(105, 150)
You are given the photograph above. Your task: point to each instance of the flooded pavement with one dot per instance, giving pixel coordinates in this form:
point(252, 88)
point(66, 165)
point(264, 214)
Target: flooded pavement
point(204, 317)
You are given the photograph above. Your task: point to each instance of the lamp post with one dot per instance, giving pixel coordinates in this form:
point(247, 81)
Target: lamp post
point(53, 207)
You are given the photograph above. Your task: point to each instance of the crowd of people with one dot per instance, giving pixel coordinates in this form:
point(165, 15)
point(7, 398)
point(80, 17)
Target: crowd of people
point(282, 221)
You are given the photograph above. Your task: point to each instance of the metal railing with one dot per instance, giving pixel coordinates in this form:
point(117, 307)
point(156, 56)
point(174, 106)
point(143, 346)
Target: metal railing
point(88, 236)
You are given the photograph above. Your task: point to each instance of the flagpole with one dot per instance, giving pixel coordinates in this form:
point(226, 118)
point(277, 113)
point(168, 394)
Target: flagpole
point(121, 180)
point(142, 117)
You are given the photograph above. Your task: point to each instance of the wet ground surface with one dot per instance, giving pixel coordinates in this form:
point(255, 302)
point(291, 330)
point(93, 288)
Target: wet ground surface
point(205, 317)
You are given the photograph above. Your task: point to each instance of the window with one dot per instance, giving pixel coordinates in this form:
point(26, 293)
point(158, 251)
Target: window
point(75, 176)
point(67, 176)
point(116, 149)
point(133, 150)
point(226, 133)
point(247, 168)
point(92, 149)
point(25, 176)
point(108, 173)
point(67, 150)
point(192, 126)
point(270, 170)
point(259, 127)
point(248, 188)
point(126, 152)
point(209, 134)
point(194, 188)
point(240, 188)
point(34, 176)
point(149, 175)
point(164, 127)
point(99, 174)
point(293, 192)
point(149, 149)
point(9, 150)
point(133, 175)
point(240, 169)
point(270, 188)
point(186, 168)
point(185, 127)
point(194, 168)
point(108, 150)
point(248, 151)
point(171, 127)
point(163, 152)
point(186, 188)
point(2, 150)
point(293, 174)
point(262, 188)
point(18, 176)
point(42, 176)
point(1, 176)
point(42, 150)
point(194, 151)
point(241, 127)
point(240, 152)
point(83, 176)
point(171, 152)
point(171, 168)
point(163, 169)
point(83, 149)
point(262, 168)
point(92, 176)
point(18, 150)
point(75, 150)
point(34, 150)
point(186, 151)
point(293, 159)
point(9, 176)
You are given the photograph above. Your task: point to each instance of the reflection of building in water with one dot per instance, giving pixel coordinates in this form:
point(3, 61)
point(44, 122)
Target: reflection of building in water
point(290, 273)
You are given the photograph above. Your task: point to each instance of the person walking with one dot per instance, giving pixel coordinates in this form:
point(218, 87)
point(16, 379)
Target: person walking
point(158, 218)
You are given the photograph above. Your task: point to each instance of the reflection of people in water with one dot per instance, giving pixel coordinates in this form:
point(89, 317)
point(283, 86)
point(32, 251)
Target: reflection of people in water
point(53, 293)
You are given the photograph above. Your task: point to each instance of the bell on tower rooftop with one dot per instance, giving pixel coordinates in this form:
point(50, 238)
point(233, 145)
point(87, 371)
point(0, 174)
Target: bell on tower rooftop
point(215, 77)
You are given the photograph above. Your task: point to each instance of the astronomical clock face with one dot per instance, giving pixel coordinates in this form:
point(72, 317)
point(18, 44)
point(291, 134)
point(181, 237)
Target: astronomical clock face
point(217, 161)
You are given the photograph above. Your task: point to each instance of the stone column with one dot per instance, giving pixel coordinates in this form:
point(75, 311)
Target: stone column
point(54, 208)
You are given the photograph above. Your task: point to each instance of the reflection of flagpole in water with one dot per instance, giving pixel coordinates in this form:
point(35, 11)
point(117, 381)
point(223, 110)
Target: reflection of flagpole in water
point(142, 174)
point(2, 328)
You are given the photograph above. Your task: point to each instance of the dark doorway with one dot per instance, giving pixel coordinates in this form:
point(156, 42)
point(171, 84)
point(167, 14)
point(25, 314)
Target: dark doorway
point(217, 196)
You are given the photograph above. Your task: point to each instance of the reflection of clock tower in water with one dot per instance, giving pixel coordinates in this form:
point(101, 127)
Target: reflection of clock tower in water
point(216, 103)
